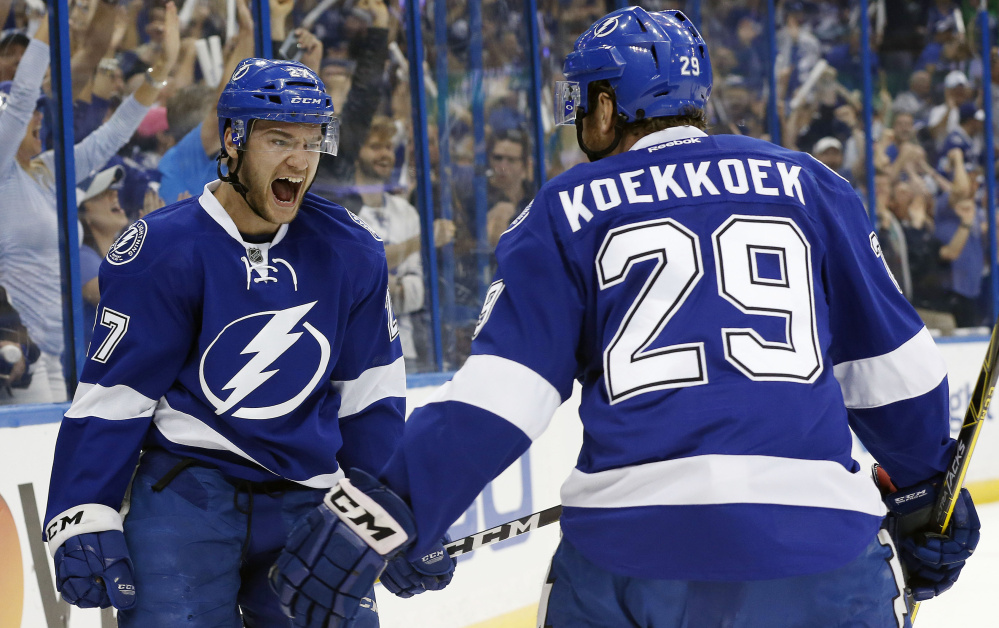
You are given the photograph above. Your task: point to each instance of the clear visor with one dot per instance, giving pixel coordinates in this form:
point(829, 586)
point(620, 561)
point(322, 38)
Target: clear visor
point(567, 99)
point(322, 135)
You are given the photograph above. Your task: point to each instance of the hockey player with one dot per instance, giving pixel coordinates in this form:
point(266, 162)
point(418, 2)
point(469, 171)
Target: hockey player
point(246, 346)
point(724, 304)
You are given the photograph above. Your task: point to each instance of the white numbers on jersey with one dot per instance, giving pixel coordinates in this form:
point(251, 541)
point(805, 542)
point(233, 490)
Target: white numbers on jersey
point(690, 66)
point(393, 323)
point(118, 324)
point(740, 244)
point(782, 288)
point(629, 368)
point(489, 303)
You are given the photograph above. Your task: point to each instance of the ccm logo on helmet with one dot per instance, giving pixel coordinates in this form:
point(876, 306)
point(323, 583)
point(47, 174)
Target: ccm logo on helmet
point(306, 101)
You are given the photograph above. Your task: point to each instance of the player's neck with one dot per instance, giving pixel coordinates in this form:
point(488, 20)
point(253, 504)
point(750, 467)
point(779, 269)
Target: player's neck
point(247, 222)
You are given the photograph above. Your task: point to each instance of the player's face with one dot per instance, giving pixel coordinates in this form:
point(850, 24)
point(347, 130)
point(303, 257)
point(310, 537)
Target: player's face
point(276, 170)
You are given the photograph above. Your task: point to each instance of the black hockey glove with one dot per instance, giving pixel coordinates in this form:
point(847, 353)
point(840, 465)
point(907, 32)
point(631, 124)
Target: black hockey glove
point(932, 562)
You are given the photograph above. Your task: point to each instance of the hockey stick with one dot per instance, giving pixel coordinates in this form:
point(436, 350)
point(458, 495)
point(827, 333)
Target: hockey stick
point(974, 419)
point(504, 531)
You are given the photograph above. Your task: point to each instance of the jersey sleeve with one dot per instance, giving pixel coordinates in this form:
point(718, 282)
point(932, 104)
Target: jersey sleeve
point(370, 378)
point(521, 369)
point(893, 376)
point(145, 328)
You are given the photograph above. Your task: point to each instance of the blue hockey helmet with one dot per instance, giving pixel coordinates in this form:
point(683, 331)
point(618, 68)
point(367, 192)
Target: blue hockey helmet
point(656, 63)
point(283, 91)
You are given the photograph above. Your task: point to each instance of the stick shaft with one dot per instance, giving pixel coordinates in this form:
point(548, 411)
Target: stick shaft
point(504, 531)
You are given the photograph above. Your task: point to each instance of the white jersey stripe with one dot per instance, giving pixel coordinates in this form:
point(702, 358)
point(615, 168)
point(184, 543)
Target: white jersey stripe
point(184, 429)
point(505, 388)
point(374, 384)
point(725, 479)
point(116, 403)
point(914, 369)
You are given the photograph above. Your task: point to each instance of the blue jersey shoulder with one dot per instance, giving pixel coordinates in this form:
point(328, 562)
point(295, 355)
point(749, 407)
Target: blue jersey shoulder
point(167, 231)
point(337, 222)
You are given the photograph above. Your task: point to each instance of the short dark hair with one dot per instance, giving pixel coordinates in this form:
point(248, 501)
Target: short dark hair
point(11, 40)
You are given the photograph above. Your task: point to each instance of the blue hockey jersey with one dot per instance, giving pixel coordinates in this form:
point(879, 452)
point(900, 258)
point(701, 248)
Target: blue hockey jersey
point(726, 308)
point(274, 360)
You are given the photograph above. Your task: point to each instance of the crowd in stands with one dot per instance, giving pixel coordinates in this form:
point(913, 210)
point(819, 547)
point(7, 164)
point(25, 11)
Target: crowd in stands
point(144, 94)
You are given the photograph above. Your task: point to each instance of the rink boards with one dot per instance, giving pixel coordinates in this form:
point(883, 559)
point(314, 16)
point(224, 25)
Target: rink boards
point(494, 587)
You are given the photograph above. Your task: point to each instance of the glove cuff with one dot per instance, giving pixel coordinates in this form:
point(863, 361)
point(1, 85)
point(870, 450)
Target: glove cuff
point(81, 520)
point(367, 518)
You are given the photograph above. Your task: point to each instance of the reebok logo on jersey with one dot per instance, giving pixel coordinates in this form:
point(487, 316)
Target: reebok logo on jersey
point(689, 140)
point(128, 244)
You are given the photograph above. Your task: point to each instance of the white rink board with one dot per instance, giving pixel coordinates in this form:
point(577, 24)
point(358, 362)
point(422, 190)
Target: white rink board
point(499, 579)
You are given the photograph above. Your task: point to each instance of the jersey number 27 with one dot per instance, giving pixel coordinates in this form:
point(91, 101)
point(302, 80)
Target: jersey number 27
point(631, 368)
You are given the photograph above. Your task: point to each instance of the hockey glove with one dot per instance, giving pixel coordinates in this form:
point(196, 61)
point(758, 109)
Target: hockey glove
point(932, 562)
point(335, 553)
point(94, 570)
point(431, 572)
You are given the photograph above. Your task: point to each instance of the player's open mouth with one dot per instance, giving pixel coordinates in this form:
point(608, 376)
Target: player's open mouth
point(286, 190)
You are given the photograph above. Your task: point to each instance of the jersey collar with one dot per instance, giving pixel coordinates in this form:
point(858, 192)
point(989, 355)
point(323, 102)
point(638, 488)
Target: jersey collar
point(668, 135)
point(221, 216)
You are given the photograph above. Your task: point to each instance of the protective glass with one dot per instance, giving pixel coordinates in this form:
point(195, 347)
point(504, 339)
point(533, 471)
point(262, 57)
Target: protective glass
point(567, 99)
point(322, 136)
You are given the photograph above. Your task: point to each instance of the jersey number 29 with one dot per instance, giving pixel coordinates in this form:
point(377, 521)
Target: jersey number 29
point(631, 368)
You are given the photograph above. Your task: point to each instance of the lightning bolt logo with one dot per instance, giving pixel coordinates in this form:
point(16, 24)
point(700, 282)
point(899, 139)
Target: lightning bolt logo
point(269, 344)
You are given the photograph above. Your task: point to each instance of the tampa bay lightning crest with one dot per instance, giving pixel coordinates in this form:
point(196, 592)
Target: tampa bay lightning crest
point(264, 365)
point(128, 244)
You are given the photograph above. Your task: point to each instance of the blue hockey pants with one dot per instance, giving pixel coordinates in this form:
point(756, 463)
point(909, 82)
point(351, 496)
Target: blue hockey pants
point(864, 593)
point(202, 545)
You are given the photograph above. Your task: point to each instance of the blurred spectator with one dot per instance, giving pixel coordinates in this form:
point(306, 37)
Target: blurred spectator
point(750, 62)
point(829, 151)
point(193, 161)
point(798, 49)
point(944, 118)
point(102, 220)
point(917, 100)
point(960, 222)
point(369, 53)
point(29, 239)
point(847, 60)
point(398, 224)
point(967, 137)
point(12, 47)
point(509, 189)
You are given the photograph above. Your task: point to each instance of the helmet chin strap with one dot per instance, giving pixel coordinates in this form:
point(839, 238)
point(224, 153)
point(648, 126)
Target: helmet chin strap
point(619, 121)
point(594, 155)
point(233, 177)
